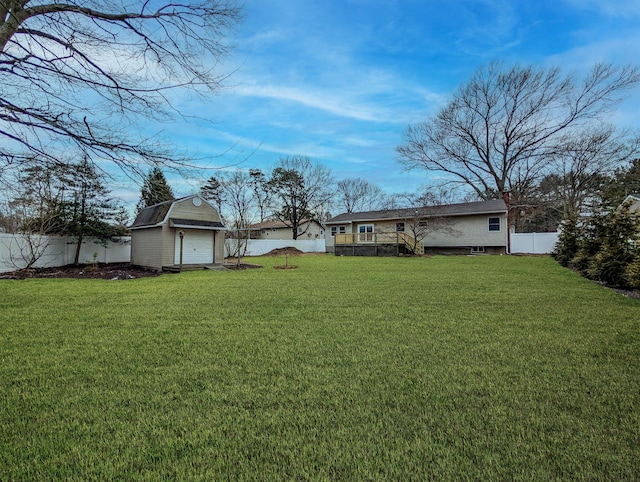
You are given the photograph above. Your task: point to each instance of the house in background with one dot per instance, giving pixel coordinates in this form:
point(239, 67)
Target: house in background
point(633, 201)
point(309, 229)
point(465, 228)
point(185, 233)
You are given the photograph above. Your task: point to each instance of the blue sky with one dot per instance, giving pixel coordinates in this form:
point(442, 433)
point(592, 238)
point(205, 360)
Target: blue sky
point(340, 80)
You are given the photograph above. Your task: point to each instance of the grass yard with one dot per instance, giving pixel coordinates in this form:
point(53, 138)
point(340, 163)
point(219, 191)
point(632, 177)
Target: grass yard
point(486, 368)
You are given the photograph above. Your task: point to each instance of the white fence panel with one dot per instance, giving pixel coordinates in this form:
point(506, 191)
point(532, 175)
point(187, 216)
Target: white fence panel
point(59, 251)
point(258, 247)
point(533, 243)
point(112, 252)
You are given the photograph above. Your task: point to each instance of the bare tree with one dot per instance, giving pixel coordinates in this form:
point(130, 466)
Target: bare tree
point(238, 203)
point(356, 194)
point(261, 192)
point(35, 212)
point(582, 161)
point(500, 129)
point(79, 74)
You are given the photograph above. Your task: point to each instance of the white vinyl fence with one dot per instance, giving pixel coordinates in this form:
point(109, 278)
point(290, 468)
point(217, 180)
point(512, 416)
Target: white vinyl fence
point(533, 243)
point(59, 251)
point(258, 247)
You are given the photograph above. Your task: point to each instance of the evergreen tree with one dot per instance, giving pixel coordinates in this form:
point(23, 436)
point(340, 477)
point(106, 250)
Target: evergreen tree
point(155, 189)
point(88, 211)
point(68, 199)
point(568, 241)
point(625, 181)
point(619, 238)
point(213, 190)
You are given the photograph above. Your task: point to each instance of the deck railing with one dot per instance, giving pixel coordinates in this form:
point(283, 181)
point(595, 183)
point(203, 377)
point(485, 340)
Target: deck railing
point(380, 238)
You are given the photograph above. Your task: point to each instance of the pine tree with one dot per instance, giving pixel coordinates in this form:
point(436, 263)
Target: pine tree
point(68, 199)
point(213, 190)
point(88, 211)
point(155, 189)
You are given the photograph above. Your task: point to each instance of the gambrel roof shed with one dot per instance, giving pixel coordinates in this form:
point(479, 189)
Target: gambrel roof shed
point(183, 232)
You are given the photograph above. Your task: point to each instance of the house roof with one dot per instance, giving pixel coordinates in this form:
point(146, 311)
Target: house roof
point(156, 214)
point(152, 215)
point(460, 209)
point(277, 224)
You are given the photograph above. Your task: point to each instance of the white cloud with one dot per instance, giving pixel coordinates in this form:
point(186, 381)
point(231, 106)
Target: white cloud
point(328, 101)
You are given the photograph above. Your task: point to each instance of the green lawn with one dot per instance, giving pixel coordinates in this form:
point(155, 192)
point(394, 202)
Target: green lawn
point(486, 368)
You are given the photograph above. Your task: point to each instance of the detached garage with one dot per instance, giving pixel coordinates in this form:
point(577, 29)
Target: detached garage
point(185, 233)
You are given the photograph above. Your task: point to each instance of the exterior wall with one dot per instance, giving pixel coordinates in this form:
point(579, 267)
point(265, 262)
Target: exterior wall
point(275, 233)
point(168, 238)
point(185, 209)
point(469, 231)
point(219, 247)
point(463, 251)
point(146, 248)
point(463, 233)
point(315, 231)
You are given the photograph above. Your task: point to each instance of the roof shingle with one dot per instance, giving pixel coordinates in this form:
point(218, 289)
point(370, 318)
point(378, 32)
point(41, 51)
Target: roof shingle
point(460, 209)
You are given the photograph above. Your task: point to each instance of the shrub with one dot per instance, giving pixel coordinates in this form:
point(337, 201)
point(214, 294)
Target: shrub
point(568, 242)
point(604, 249)
point(632, 273)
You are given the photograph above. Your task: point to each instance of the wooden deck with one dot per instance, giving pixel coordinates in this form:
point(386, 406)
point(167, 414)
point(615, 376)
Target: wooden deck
point(403, 243)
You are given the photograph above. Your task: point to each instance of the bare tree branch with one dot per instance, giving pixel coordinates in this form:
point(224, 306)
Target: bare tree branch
point(501, 129)
point(82, 75)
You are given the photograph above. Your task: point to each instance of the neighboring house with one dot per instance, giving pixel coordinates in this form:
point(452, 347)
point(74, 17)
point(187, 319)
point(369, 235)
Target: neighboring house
point(633, 200)
point(187, 232)
point(310, 229)
point(465, 228)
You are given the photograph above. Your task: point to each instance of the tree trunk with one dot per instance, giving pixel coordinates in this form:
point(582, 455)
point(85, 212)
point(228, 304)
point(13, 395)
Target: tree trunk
point(76, 259)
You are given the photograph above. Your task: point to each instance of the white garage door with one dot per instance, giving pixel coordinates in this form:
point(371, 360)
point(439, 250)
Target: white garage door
point(197, 247)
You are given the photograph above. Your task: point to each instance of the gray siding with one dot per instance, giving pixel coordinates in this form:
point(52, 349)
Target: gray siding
point(146, 248)
point(185, 209)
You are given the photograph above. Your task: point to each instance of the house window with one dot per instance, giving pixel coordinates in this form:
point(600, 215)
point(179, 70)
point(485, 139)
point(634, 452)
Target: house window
point(477, 249)
point(334, 230)
point(494, 224)
point(400, 227)
point(365, 233)
point(263, 231)
point(422, 224)
point(342, 229)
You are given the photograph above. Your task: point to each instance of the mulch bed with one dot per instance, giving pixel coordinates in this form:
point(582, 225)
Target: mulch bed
point(114, 271)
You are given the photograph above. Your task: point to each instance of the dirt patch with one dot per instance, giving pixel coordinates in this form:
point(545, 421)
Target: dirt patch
point(290, 250)
point(113, 271)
